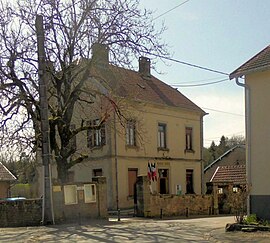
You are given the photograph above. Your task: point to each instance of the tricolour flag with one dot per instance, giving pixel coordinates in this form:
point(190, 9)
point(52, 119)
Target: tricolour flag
point(154, 171)
point(149, 172)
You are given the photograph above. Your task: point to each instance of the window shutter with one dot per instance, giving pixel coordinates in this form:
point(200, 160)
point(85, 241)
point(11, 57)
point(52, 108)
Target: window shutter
point(89, 135)
point(134, 133)
point(103, 134)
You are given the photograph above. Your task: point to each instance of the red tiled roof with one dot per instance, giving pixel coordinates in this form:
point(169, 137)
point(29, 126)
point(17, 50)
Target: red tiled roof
point(235, 174)
point(5, 174)
point(131, 84)
point(259, 62)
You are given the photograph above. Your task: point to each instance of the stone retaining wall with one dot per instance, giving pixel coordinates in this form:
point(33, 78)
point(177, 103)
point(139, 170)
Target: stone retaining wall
point(157, 205)
point(20, 213)
point(28, 212)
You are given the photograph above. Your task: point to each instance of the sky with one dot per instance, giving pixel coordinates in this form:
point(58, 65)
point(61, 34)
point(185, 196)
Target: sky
point(216, 34)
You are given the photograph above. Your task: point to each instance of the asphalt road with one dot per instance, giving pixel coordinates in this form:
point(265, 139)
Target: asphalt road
point(135, 230)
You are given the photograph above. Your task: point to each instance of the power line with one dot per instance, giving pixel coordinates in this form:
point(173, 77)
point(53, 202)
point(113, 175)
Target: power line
point(170, 10)
point(188, 64)
point(198, 85)
point(200, 80)
point(229, 135)
point(225, 112)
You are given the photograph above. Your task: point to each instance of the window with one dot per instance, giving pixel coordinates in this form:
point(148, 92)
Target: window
point(70, 194)
point(95, 137)
point(162, 135)
point(220, 190)
point(188, 138)
point(130, 133)
point(89, 193)
point(163, 178)
point(132, 178)
point(189, 182)
point(97, 172)
point(235, 189)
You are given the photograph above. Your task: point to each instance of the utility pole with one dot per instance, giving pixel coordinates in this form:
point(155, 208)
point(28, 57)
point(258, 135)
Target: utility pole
point(47, 209)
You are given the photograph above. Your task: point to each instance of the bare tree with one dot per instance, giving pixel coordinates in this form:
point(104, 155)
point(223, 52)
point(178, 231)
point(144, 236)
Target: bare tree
point(72, 27)
point(237, 200)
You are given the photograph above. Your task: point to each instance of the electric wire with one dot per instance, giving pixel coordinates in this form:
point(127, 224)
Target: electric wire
point(187, 63)
point(171, 9)
point(225, 112)
point(198, 85)
point(200, 80)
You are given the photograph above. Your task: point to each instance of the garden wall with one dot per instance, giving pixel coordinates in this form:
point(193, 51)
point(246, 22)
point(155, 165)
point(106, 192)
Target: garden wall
point(71, 202)
point(20, 213)
point(76, 203)
point(157, 205)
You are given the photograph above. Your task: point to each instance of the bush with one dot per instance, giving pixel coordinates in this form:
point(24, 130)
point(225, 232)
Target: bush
point(251, 219)
point(22, 190)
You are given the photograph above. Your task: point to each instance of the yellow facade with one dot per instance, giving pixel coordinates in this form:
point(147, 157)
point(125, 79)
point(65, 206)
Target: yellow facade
point(116, 158)
point(155, 125)
point(259, 86)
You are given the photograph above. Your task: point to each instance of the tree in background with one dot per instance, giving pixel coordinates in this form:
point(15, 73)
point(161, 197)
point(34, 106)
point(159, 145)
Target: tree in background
point(72, 27)
point(22, 167)
point(215, 151)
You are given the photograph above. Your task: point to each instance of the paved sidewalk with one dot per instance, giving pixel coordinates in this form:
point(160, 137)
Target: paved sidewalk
point(135, 230)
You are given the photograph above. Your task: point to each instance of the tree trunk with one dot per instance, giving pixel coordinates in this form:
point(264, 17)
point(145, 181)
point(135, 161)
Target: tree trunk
point(62, 170)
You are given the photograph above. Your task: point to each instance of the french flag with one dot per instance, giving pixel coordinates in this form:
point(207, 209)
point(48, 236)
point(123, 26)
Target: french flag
point(154, 171)
point(149, 172)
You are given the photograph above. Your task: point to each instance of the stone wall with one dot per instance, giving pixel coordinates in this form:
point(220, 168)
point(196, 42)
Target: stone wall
point(29, 212)
point(80, 210)
point(157, 205)
point(20, 213)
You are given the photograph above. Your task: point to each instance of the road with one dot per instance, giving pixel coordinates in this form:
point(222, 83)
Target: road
point(135, 230)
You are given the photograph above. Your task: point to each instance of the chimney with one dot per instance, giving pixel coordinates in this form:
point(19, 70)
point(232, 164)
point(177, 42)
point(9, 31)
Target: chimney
point(144, 66)
point(100, 54)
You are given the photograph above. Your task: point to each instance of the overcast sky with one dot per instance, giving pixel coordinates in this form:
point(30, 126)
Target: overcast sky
point(216, 34)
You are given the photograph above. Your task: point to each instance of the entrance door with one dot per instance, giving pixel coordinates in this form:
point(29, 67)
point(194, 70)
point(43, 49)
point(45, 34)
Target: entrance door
point(163, 181)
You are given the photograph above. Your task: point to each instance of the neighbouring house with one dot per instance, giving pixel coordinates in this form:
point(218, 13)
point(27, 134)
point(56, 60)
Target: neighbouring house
point(233, 156)
point(226, 182)
point(254, 76)
point(6, 178)
point(161, 128)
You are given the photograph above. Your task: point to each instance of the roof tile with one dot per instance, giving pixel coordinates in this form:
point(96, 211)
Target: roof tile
point(132, 84)
point(235, 174)
point(259, 62)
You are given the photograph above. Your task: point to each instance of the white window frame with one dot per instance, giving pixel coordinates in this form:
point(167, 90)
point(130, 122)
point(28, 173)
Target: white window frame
point(70, 194)
point(220, 190)
point(235, 189)
point(189, 138)
point(130, 133)
point(162, 143)
point(90, 193)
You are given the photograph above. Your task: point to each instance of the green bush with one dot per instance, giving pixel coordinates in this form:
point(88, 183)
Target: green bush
point(251, 219)
point(22, 190)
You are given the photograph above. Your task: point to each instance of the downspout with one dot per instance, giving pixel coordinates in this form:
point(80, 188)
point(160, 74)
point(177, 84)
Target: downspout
point(248, 137)
point(116, 166)
point(201, 156)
